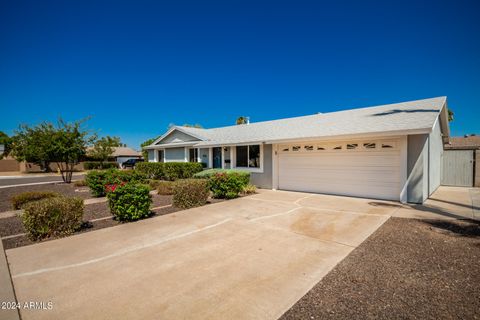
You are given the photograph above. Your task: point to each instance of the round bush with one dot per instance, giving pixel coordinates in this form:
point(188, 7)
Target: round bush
point(129, 202)
point(55, 216)
point(189, 193)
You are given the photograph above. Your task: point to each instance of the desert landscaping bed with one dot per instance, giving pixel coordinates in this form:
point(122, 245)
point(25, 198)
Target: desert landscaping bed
point(96, 216)
point(63, 188)
point(423, 269)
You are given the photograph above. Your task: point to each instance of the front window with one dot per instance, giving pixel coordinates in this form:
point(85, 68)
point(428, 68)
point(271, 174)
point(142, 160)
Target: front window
point(248, 156)
point(193, 155)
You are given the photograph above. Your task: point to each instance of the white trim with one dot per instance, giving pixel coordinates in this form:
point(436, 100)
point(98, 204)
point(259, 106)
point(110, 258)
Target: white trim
point(403, 169)
point(199, 159)
point(186, 154)
point(274, 166)
point(210, 158)
point(173, 128)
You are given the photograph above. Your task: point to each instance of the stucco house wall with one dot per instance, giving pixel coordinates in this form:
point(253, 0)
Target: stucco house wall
point(264, 179)
point(435, 158)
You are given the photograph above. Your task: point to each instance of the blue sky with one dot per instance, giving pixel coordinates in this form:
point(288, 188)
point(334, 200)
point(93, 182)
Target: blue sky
point(136, 66)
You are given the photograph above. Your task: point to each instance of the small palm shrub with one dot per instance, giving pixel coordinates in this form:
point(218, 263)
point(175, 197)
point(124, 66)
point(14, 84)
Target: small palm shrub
point(19, 200)
point(189, 193)
point(55, 216)
point(129, 202)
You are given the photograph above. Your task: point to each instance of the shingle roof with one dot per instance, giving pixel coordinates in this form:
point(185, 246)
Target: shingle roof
point(405, 117)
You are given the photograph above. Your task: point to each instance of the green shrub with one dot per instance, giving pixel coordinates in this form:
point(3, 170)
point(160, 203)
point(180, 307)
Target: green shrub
point(181, 170)
point(55, 216)
point(97, 165)
point(98, 180)
point(228, 185)
point(169, 170)
point(19, 200)
point(189, 193)
point(152, 170)
point(165, 187)
point(129, 202)
point(249, 189)
point(206, 174)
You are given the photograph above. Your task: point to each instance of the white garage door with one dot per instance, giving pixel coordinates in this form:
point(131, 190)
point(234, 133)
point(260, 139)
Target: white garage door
point(368, 169)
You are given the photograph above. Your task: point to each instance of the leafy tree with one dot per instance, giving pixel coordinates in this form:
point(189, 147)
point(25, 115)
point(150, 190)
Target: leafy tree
point(6, 141)
point(450, 115)
point(242, 120)
point(104, 148)
point(64, 144)
point(33, 144)
point(147, 143)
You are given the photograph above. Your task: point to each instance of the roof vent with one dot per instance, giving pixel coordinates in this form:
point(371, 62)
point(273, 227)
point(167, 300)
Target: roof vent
point(247, 119)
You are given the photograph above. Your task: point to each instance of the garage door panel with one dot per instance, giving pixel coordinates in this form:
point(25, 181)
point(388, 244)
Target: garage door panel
point(372, 173)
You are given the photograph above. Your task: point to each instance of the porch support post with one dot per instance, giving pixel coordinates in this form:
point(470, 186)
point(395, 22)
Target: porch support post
point(210, 156)
point(222, 157)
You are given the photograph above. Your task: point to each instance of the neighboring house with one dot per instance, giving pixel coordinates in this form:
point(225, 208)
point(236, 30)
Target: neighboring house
point(122, 154)
point(386, 152)
point(461, 161)
point(2, 149)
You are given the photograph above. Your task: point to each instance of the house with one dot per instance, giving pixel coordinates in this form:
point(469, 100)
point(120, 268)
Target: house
point(122, 154)
point(388, 152)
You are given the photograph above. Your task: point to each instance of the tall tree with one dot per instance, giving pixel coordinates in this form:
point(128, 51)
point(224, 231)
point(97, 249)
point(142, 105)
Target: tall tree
point(241, 120)
point(64, 143)
point(6, 142)
point(450, 115)
point(104, 148)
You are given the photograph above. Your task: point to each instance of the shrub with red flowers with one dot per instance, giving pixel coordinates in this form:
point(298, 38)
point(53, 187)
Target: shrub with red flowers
point(98, 180)
point(129, 201)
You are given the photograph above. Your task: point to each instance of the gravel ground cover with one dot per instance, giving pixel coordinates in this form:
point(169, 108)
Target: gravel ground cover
point(63, 188)
point(13, 225)
point(408, 269)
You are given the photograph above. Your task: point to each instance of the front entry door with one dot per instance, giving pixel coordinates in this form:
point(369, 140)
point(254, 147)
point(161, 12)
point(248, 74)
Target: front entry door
point(217, 157)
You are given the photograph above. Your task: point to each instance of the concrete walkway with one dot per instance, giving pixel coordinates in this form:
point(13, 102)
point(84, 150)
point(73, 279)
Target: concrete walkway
point(249, 258)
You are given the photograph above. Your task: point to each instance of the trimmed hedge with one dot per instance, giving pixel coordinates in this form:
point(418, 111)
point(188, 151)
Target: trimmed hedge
point(226, 184)
point(19, 200)
point(57, 216)
point(129, 202)
point(97, 180)
point(152, 170)
point(96, 165)
point(189, 193)
point(165, 187)
point(169, 170)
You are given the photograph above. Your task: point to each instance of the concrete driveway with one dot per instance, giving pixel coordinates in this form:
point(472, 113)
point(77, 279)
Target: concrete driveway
point(249, 258)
